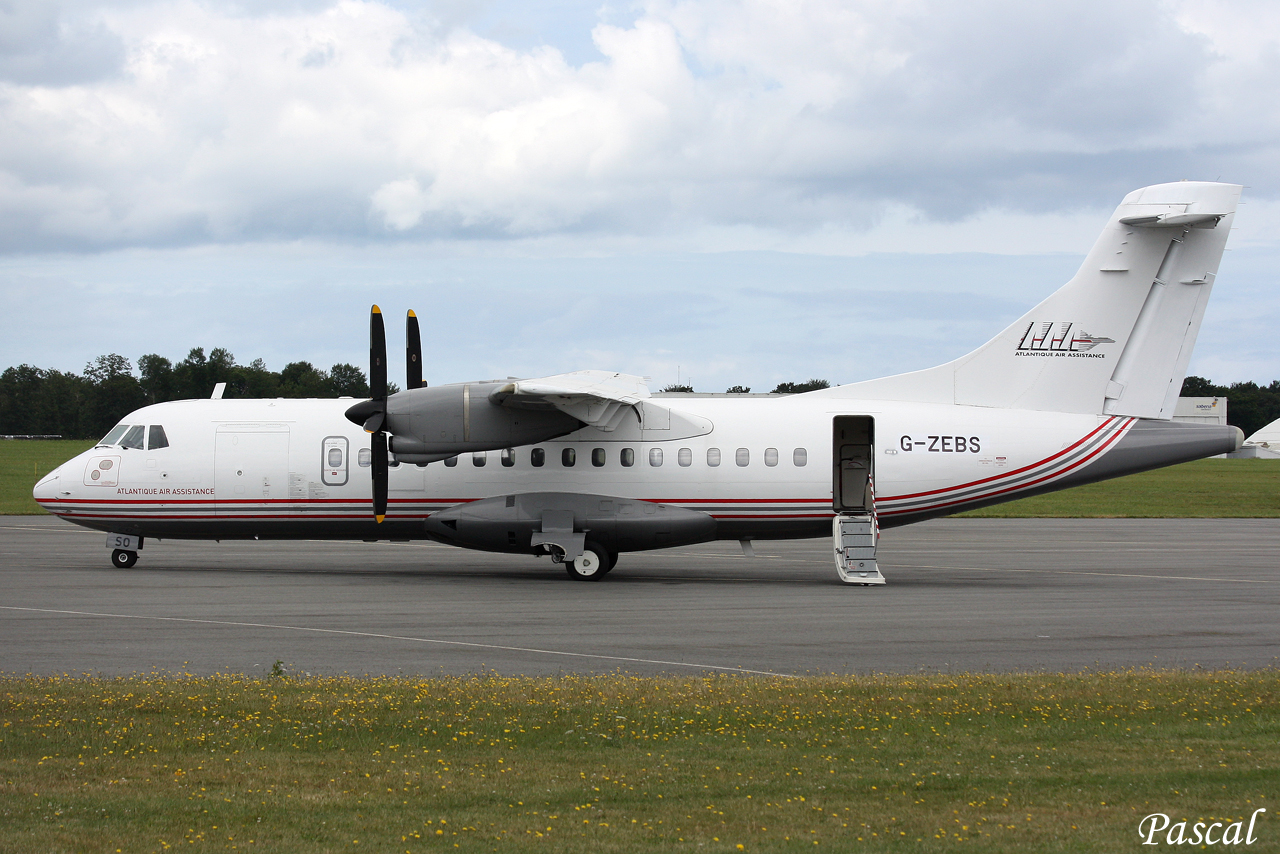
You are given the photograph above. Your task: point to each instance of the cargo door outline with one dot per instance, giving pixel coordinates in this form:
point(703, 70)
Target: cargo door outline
point(251, 466)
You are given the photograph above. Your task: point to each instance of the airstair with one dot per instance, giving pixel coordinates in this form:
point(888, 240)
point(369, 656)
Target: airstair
point(854, 536)
point(855, 529)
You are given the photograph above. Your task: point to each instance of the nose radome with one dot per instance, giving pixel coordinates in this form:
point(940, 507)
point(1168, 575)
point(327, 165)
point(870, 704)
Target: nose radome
point(46, 489)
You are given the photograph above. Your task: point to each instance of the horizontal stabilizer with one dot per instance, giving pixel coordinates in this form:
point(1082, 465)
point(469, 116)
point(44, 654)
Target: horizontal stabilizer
point(1169, 220)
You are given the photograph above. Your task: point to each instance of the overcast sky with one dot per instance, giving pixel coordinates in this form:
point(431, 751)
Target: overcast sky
point(741, 192)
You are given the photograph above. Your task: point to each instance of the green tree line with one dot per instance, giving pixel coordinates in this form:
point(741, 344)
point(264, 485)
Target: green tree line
point(85, 406)
point(1249, 405)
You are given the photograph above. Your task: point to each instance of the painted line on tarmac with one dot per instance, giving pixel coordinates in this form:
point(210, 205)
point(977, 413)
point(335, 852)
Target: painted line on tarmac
point(54, 529)
point(350, 633)
point(1081, 572)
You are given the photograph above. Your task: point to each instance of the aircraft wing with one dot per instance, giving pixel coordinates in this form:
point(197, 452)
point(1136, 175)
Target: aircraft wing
point(599, 399)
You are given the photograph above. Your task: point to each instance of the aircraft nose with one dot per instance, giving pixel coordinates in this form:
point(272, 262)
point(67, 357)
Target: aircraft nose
point(47, 488)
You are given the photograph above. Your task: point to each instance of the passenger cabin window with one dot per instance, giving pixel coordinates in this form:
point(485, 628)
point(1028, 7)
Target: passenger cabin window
point(115, 434)
point(451, 462)
point(800, 457)
point(509, 457)
point(771, 456)
point(364, 458)
point(157, 438)
point(627, 457)
point(134, 438)
point(478, 459)
point(597, 457)
point(333, 454)
point(537, 457)
point(684, 457)
point(742, 457)
point(655, 457)
point(713, 457)
point(568, 457)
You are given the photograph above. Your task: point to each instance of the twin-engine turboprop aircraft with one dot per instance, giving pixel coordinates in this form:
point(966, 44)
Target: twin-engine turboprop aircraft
point(587, 465)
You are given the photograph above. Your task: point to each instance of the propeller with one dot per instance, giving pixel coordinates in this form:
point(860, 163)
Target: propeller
point(413, 352)
point(372, 413)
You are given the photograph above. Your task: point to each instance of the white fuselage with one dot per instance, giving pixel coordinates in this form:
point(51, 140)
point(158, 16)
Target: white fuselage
point(244, 468)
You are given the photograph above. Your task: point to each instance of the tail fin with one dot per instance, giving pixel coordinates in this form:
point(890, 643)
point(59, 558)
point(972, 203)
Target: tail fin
point(1114, 340)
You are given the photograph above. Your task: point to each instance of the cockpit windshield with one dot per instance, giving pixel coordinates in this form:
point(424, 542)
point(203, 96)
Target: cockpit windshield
point(135, 436)
point(115, 434)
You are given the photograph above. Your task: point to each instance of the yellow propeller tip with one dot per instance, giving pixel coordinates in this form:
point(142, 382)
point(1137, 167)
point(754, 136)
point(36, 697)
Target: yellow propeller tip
point(411, 314)
point(377, 310)
point(379, 518)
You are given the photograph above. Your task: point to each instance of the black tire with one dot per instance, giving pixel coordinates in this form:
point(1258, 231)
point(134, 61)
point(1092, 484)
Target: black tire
point(122, 559)
point(589, 567)
point(611, 562)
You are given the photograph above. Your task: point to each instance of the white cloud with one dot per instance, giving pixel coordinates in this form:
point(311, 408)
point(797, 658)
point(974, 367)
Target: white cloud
point(401, 203)
point(761, 121)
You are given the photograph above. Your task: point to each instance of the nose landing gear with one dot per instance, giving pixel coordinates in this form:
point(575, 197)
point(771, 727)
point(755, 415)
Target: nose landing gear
point(124, 549)
point(122, 559)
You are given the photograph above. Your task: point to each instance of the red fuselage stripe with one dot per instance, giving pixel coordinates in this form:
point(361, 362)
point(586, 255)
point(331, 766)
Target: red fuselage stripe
point(1016, 488)
point(1005, 475)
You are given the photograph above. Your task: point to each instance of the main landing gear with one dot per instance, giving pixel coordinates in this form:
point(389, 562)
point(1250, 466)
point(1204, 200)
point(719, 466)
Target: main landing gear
point(593, 565)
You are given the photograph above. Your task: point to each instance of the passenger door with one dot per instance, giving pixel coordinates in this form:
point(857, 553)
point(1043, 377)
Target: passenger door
point(854, 443)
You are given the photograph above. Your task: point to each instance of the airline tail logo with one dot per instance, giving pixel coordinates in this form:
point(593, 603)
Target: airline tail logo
point(1059, 338)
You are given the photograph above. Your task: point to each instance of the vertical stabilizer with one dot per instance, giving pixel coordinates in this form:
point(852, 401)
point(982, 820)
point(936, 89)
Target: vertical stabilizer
point(1117, 338)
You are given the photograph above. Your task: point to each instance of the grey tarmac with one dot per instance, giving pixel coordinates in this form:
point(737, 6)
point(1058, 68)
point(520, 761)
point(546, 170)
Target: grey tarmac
point(963, 595)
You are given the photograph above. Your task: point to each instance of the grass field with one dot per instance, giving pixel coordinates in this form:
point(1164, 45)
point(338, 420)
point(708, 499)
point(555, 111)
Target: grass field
point(23, 462)
point(1202, 489)
point(1038, 762)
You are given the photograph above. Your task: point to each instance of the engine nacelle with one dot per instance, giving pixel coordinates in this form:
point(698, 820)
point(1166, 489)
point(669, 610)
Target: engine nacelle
point(441, 421)
point(508, 523)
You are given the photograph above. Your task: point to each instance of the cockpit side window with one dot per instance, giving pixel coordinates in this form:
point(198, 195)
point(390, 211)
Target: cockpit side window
point(157, 438)
point(134, 438)
point(115, 434)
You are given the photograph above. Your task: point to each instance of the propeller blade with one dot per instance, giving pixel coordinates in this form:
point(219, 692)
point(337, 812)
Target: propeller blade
point(377, 355)
point(378, 443)
point(413, 352)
